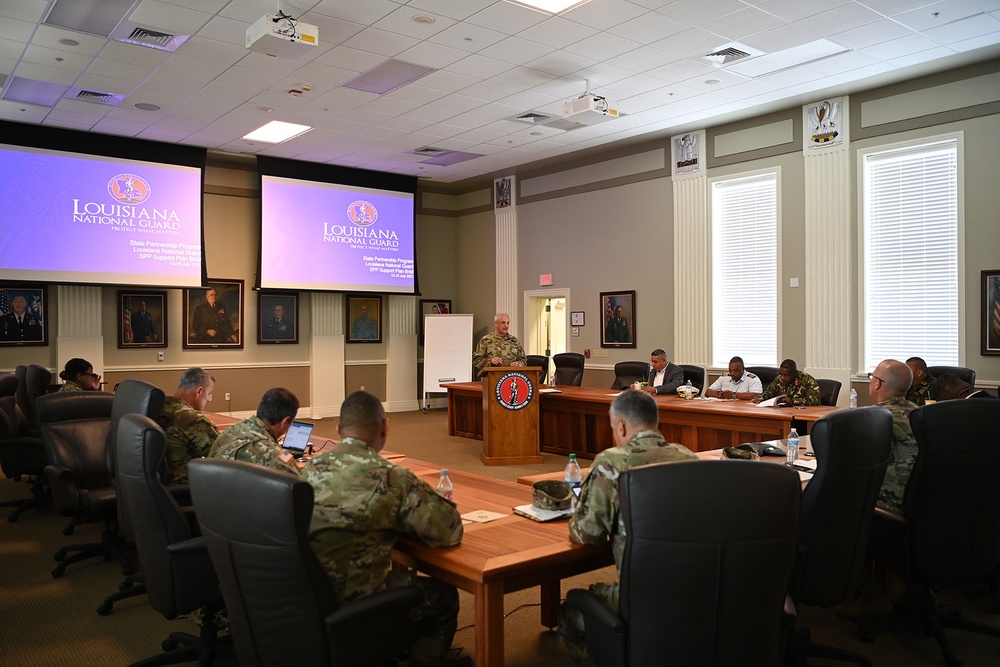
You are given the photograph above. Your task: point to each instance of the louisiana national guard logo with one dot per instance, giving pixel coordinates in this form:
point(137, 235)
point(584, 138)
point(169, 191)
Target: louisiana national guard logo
point(514, 391)
point(129, 188)
point(362, 213)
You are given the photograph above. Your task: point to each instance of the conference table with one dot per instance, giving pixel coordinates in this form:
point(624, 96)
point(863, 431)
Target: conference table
point(575, 419)
point(500, 556)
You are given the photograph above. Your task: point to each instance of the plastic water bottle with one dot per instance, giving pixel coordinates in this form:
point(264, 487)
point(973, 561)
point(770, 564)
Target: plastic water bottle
point(854, 398)
point(688, 391)
point(573, 476)
point(793, 447)
point(445, 487)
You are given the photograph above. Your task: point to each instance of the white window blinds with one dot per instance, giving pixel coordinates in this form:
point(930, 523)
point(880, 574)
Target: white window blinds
point(911, 291)
point(745, 269)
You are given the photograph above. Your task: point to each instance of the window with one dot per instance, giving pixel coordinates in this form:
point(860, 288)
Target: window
point(745, 269)
point(911, 281)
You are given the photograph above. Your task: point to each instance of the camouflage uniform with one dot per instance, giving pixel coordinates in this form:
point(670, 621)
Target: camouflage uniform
point(902, 454)
point(491, 345)
point(190, 435)
point(363, 503)
point(803, 391)
point(598, 518)
point(251, 440)
point(921, 393)
point(70, 386)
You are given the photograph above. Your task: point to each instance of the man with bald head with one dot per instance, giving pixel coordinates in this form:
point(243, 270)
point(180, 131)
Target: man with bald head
point(887, 386)
point(498, 348)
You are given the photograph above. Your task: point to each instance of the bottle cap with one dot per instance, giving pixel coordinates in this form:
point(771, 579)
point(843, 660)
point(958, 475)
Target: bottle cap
point(444, 471)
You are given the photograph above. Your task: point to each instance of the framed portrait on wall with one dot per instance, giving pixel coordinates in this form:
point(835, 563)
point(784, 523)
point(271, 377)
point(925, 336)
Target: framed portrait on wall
point(991, 312)
point(142, 319)
point(213, 315)
point(618, 319)
point(23, 315)
point(364, 318)
point(279, 318)
point(432, 307)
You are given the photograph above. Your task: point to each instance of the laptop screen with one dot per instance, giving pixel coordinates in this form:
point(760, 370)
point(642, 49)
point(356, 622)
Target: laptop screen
point(297, 438)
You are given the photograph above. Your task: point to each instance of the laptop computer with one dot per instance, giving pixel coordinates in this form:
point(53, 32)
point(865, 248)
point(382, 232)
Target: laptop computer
point(297, 439)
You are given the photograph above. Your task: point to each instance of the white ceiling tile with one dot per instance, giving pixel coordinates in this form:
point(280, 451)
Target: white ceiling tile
point(106, 84)
point(41, 55)
point(793, 10)
point(967, 28)
point(248, 78)
point(642, 59)
point(367, 12)
point(897, 48)
point(842, 62)
point(456, 10)
point(45, 73)
point(401, 22)
point(937, 14)
point(893, 7)
point(602, 47)
point(430, 55)
point(523, 77)
point(120, 127)
point(446, 81)
point(228, 31)
point(489, 91)
point(467, 37)
point(742, 23)
point(348, 98)
point(871, 34)
point(557, 32)
point(922, 57)
point(333, 31)
point(24, 10)
point(779, 39)
point(135, 55)
point(515, 50)
point(49, 36)
point(456, 104)
point(387, 106)
point(322, 77)
point(380, 42)
point(696, 12)
point(169, 18)
point(505, 17)
point(604, 14)
point(120, 70)
point(560, 63)
point(693, 42)
point(649, 28)
point(975, 43)
point(213, 50)
point(352, 59)
point(479, 67)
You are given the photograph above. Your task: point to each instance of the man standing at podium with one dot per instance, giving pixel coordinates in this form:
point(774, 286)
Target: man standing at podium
point(498, 348)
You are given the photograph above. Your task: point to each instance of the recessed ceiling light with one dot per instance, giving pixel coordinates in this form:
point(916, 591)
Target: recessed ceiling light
point(66, 41)
point(550, 6)
point(276, 131)
point(265, 109)
point(711, 82)
point(423, 19)
point(146, 106)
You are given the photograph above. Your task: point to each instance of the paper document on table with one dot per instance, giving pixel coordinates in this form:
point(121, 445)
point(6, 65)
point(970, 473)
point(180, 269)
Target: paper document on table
point(549, 391)
point(768, 403)
point(482, 516)
point(538, 514)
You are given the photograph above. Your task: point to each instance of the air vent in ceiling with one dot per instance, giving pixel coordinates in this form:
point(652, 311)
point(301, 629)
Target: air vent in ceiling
point(430, 151)
point(532, 118)
point(150, 38)
point(130, 33)
point(94, 96)
point(731, 53)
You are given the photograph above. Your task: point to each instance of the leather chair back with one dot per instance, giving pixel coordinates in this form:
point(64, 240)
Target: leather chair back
point(829, 391)
point(13, 423)
point(627, 372)
point(75, 428)
point(952, 499)
point(852, 452)
point(717, 603)
point(20, 452)
point(966, 374)
point(696, 374)
point(175, 583)
point(543, 361)
point(33, 381)
point(765, 373)
point(569, 368)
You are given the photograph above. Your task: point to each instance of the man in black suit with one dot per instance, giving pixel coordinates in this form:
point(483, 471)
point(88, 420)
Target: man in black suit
point(143, 329)
point(278, 327)
point(20, 323)
point(664, 377)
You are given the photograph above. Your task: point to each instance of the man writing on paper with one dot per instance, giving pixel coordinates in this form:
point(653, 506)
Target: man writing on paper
point(498, 348)
point(664, 377)
point(363, 504)
point(634, 418)
point(791, 387)
point(737, 385)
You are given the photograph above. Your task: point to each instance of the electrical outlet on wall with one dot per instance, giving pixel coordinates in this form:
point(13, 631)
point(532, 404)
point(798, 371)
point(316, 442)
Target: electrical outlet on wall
point(229, 396)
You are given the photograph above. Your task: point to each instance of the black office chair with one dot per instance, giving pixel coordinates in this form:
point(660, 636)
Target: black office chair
point(32, 381)
point(21, 454)
point(543, 361)
point(838, 505)
point(966, 374)
point(949, 532)
point(131, 397)
point(697, 375)
point(627, 372)
point(280, 601)
point(177, 570)
point(569, 368)
point(765, 373)
point(829, 391)
point(715, 604)
point(75, 427)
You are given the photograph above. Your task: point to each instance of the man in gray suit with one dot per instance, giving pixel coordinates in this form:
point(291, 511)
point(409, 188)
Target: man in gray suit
point(664, 377)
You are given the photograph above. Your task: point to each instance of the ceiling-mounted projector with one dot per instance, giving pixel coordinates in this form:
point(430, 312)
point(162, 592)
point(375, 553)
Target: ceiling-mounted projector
point(589, 109)
point(281, 36)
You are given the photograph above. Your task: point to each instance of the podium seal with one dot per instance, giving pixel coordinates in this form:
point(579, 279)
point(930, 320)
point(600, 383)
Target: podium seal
point(514, 391)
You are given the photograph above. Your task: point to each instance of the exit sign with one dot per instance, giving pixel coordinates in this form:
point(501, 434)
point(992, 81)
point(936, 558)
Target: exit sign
point(545, 279)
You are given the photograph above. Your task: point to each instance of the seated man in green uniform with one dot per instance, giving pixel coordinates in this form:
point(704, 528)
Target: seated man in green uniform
point(792, 386)
point(638, 442)
point(498, 348)
point(924, 384)
point(190, 434)
point(363, 503)
point(256, 439)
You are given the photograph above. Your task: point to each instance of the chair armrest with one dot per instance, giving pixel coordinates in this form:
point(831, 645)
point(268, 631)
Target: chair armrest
point(186, 547)
point(606, 631)
point(374, 629)
point(65, 495)
point(403, 598)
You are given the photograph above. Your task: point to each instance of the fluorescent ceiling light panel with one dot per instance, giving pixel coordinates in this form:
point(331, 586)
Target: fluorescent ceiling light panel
point(276, 131)
point(388, 76)
point(31, 91)
point(781, 60)
point(550, 6)
point(97, 17)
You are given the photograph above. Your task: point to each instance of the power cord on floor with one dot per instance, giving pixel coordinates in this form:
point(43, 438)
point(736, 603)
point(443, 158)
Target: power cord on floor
point(518, 608)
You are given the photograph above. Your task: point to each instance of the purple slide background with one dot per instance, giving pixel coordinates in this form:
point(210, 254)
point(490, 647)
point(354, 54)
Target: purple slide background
point(294, 254)
point(39, 238)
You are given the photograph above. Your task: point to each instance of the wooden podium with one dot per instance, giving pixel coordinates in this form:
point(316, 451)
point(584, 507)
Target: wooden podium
point(510, 415)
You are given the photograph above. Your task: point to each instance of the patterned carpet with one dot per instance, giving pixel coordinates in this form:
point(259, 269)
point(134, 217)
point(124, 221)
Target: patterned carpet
point(48, 622)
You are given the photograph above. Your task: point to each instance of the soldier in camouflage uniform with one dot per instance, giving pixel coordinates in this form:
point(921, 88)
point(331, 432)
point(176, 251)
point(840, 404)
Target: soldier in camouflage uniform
point(638, 442)
point(256, 439)
point(887, 386)
point(498, 348)
point(792, 386)
point(923, 386)
point(363, 503)
point(79, 375)
point(190, 434)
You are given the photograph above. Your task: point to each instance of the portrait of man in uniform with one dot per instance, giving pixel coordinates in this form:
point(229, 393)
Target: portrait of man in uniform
point(22, 316)
point(213, 315)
